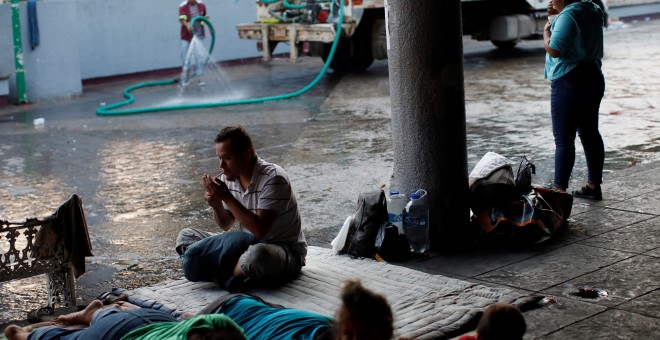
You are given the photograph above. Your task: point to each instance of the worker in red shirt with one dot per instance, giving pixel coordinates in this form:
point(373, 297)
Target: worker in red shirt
point(187, 11)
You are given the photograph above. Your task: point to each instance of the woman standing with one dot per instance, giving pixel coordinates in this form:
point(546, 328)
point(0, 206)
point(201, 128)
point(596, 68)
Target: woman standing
point(574, 46)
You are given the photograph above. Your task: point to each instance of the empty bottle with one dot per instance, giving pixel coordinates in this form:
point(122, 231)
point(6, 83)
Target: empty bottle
point(416, 222)
point(395, 204)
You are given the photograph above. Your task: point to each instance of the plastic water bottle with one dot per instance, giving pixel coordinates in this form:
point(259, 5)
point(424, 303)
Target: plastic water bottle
point(416, 222)
point(395, 204)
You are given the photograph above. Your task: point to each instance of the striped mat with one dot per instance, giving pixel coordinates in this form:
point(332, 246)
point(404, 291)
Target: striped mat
point(425, 306)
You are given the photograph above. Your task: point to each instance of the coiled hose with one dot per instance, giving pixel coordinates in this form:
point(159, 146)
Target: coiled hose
point(114, 109)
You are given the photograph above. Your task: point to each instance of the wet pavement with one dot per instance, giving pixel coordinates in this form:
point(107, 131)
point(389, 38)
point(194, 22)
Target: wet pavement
point(139, 175)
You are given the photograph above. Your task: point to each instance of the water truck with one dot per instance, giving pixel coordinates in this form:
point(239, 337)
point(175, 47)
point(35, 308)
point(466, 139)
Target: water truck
point(309, 27)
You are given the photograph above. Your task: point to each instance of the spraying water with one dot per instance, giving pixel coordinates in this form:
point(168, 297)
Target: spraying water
point(114, 109)
point(202, 79)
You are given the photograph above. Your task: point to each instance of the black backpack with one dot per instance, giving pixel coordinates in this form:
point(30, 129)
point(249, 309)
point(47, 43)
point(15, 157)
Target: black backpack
point(393, 246)
point(370, 216)
point(524, 176)
point(500, 188)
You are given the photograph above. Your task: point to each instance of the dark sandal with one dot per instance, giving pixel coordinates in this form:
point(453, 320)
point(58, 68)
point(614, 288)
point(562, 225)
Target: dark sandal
point(41, 314)
point(586, 192)
point(108, 298)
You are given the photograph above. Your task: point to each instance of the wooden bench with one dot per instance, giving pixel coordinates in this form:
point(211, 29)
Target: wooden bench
point(33, 248)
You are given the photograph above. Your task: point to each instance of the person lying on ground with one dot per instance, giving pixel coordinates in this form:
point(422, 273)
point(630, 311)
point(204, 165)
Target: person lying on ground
point(362, 315)
point(126, 321)
point(499, 321)
point(269, 246)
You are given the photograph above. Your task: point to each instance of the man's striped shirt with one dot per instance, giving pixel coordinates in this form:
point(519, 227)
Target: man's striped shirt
point(270, 189)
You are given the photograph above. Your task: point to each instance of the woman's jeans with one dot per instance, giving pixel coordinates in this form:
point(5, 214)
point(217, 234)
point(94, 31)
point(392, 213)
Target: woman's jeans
point(574, 103)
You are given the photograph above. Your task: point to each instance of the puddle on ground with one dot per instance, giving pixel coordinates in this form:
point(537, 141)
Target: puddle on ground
point(590, 293)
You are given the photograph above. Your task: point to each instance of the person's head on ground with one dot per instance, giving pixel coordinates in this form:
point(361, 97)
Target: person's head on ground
point(363, 314)
point(235, 151)
point(501, 321)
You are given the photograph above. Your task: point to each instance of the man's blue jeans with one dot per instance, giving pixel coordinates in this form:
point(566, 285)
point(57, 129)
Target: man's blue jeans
point(108, 324)
point(213, 257)
point(574, 103)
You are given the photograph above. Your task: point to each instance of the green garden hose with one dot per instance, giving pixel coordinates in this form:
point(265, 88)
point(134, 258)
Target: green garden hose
point(114, 109)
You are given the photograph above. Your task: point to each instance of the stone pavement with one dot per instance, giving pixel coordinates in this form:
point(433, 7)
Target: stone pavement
point(612, 247)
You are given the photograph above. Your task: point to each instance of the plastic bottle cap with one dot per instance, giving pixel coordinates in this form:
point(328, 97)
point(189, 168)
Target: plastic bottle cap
point(393, 192)
point(414, 196)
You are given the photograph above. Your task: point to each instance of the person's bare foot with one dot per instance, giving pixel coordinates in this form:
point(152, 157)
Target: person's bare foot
point(125, 305)
point(82, 317)
point(43, 324)
point(13, 332)
point(187, 315)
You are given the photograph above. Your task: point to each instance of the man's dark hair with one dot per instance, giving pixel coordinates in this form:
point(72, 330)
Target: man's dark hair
point(240, 139)
point(501, 321)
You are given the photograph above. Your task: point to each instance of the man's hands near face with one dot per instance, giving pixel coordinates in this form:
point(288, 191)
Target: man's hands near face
point(216, 191)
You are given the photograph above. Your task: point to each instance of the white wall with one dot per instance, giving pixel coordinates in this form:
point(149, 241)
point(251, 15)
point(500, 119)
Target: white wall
point(52, 70)
point(620, 3)
point(128, 36)
point(86, 39)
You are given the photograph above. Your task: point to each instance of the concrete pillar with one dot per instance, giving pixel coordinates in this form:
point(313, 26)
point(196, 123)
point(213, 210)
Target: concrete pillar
point(428, 110)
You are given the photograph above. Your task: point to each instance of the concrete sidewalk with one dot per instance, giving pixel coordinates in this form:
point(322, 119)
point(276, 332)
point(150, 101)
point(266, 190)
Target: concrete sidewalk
point(612, 246)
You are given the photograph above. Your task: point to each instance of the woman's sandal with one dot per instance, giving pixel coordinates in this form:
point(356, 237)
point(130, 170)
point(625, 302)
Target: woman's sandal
point(586, 192)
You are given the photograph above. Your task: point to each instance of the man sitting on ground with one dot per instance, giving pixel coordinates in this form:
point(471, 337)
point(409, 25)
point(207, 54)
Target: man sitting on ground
point(269, 246)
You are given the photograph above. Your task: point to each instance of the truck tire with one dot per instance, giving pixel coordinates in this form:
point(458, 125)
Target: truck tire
point(343, 60)
point(504, 45)
point(354, 53)
point(271, 46)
